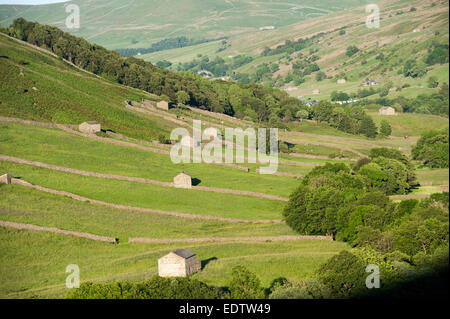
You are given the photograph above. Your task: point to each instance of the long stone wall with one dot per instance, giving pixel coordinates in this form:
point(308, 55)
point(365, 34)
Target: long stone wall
point(57, 231)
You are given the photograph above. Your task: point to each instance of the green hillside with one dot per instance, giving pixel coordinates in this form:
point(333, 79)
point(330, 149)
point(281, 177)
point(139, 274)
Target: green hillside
point(138, 24)
point(409, 30)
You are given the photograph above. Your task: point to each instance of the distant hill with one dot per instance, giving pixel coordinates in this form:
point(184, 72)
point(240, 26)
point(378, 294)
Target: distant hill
point(285, 58)
point(127, 24)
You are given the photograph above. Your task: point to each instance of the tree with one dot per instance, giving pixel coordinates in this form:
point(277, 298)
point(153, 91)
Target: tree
point(433, 82)
point(302, 114)
point(182, 97)
point(414, 69)
point(368, 127)
point(320, 76)
point(244, 284)
point(385, 128)
point(432, 149)
point(351, 50)
point(344, 274)
point(323, 111)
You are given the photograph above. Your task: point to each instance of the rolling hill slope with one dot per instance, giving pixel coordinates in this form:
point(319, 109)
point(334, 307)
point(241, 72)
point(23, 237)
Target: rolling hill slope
point(119, 24)
point(409, 30)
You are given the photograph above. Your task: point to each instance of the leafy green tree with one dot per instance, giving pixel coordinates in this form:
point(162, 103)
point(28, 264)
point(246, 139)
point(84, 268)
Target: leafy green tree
point(414, 69)
point(368, 127)
point(323, 111)
point(320, 76)
point(433, 82)
point(182, 97)
point(302, 114)
point(432, 149)
point(344, 274)
point(351, 50)
point(244, 284)
point(385, 128)
point(310, 288)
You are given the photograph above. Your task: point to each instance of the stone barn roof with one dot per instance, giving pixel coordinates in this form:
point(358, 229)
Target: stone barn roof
point(184, 253)
point(184, 173)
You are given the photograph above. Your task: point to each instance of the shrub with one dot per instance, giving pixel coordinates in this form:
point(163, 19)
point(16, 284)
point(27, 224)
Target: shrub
point(154, 288)
point(344, 274)
point(310, 288)
point(351, 50)
point(244, 284)
point(385, 128)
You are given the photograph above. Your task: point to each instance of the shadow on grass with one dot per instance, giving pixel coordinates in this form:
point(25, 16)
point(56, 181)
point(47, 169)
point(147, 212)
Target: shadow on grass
point(207, 261)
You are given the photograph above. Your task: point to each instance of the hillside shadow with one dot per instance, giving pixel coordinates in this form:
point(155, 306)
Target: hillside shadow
point(195, 181)
point(207, 261)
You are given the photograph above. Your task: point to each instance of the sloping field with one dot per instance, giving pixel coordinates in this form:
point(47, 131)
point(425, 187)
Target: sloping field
point(138, 23)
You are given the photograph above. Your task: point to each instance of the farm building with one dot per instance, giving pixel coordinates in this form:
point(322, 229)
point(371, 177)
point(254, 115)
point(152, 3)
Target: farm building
point(316, 91)
point(5, 179)
point(370, 83)
point(386, 110)
point(91, 127)
point(178, 263)
point(183, 180)
point(341, 81)
point(164, 105)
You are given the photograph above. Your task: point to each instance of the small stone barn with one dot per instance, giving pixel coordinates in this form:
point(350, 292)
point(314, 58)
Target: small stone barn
point(6, 178)
point(183, 180)
point(341, 81)
point(164, 105)
point(386, 111)
point(91, 127)
point(178, 263)
point(316, 91)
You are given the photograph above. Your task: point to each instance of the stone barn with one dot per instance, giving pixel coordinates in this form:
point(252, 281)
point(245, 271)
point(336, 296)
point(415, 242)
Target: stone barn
point(386, 111)
point(183, 180)
point(178, 263)
point(315, 92)
point(164, 105)
point(6, 178)
point(341, 81)
point(91, 127)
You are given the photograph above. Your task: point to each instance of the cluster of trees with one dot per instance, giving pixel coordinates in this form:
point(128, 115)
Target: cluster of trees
point(253, 101)
point(290, 47)
point(432, 149)
point(165, 44)
point(437, 54)
point(436, 103)
point(402, 239)
point(332, 198)
point(350, 119)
